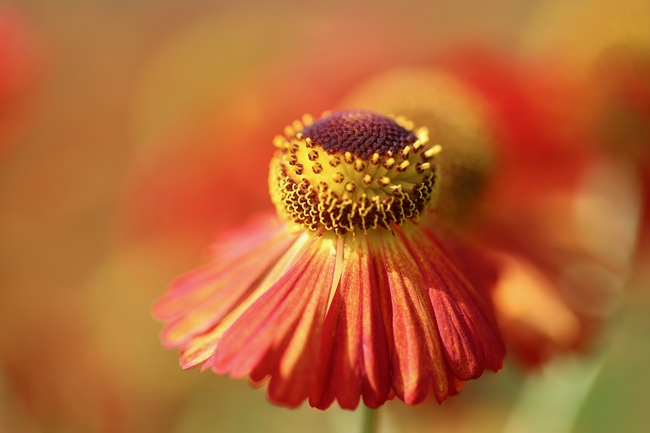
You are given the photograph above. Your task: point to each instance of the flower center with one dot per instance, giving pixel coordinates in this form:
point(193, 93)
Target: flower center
point(352, 170)
point(359, 132)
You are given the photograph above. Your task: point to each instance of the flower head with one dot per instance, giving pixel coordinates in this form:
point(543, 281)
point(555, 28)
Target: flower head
point(352, 170)
point(511, 172)
point(352, 293)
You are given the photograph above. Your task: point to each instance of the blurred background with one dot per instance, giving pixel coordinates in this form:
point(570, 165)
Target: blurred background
point(133, 132)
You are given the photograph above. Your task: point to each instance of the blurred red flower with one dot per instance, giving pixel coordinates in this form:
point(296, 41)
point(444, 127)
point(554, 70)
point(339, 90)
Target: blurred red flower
point(543, 154)
point(516, 166)
point(620, 115)
point(22, 69)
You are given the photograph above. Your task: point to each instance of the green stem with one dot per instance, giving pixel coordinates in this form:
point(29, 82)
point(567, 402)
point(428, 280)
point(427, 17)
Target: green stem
point(369, 420)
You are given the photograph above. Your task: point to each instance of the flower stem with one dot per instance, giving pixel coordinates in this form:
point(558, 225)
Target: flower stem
point(369, 420)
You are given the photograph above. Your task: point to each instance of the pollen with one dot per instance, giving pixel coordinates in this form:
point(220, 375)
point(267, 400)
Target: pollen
point(353, 170)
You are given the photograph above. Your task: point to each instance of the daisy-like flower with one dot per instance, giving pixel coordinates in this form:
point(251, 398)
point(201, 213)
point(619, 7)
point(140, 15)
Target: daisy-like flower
point(515, 196)
point(351, 293)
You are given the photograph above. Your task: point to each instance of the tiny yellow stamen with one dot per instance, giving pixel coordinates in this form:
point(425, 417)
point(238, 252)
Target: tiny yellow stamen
point(313, 155)
point(423, 135)
point(403, 166)
point(367, 179)
point(430, 153)
point(290, 158)
point(384, 181)
point(350, 187)
point(404, 122)
point(280, 142)
point(388, 164)
point(307, 119)
point(421, 166)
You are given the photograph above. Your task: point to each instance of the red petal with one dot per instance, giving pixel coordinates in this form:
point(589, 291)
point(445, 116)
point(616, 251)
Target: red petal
point(201, 299)
point(230, 249)
point(201, 347)
point(467, 326)
point(355, 348)
point(279, 334)
point(418, 360)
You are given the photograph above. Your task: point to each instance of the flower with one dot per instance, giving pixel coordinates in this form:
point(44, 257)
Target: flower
point(512, 170)
point(23, 64)
point(352, 292)
point(621, 119)
point(606, 47)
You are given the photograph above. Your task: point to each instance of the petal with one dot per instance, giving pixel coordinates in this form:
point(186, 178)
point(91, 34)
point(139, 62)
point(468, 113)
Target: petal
point(418, 361)
point(355, 349)
point(279, 334)
point(201, 347)
point(470, 336)
point(201, 299)
point(230, 249)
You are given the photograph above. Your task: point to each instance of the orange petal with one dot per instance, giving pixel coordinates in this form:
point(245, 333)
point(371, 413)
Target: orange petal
point(418, 361)
point(355, 349)
point(279, 334)
point(199, 300)
point(467, 326)
point(200, 348)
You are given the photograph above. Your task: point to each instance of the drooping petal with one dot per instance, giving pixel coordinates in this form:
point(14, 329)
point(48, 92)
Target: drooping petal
point(467, 326)
point(231, 249)
point(355, 353)
point(201, 299)
point(418, 358)
point(200, 348)
point(279, 334)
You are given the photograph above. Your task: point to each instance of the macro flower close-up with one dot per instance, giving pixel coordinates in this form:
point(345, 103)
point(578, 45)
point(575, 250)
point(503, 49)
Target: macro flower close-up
point(352, 292)
point(331, 217)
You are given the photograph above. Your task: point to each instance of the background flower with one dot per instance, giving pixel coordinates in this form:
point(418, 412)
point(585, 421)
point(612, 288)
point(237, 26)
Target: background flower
point(23, 65)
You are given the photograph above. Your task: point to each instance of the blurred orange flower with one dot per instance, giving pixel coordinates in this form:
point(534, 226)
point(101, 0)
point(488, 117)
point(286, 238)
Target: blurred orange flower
point(605, 46)
point(621, 115)
point(516, 158)
point(22, 67)
point(527, 217)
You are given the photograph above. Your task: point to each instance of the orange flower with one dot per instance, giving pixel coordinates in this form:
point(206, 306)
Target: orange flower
point(22, 63)
point(348, 295)
point(621, 116)
point(512, 170)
